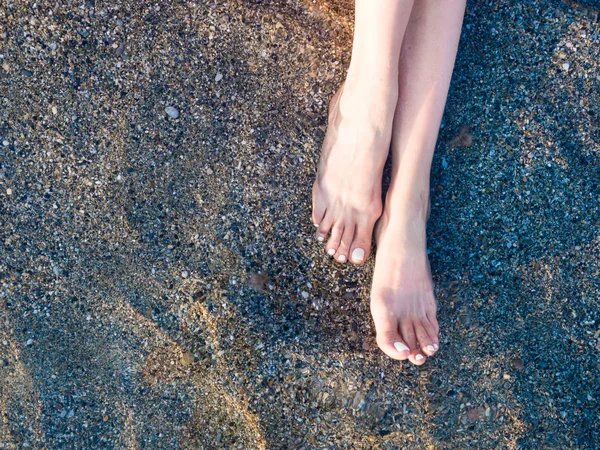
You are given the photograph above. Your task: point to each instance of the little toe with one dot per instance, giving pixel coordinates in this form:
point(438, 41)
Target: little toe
point(424, 339)
point(432, 330)
point(318, 207)
point(342, 251)
point(389, 340)
point(334, 240)
point(324, 227)
point(361, 245)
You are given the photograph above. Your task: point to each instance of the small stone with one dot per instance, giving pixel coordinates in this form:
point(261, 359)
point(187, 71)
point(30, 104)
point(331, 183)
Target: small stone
point(5, 143)
point(3, 363)
point(506, 376)
point(185, 274)
point(29, 342)
point(219, 77)
point(120, 49)
point(6, 67)
point(83, 32)
point(27, 72)
point(304, 295)
point(187, 358)
point(9, 191)
point(53, 46)
point(54, 110)
point(517, 363)
point(543, 364)
point(172, 112)
point(474, 414)
point(566, 66)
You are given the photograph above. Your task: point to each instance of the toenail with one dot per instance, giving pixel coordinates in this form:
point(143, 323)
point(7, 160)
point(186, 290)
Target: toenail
point(316, 225)
point(435, 346)
point(431, 348)
point(342, 258)
point(320, 238)
point(419, 357)
point(401, 347)
point(358, 254)
point(331, 251)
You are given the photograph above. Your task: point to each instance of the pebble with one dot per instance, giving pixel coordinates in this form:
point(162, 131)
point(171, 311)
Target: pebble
point(5, 143)
point(54, 110)
point(29, 342)
point(53, 46)
point(304, 295)
point(219, 77)
point(83, 33)
point(172, 112)
point(544, 364)
point(120, 49)
point(566, 66)
point(185, 274)
point(9, 191)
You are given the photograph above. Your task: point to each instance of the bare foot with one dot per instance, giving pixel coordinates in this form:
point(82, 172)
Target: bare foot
point(347, 190)
point(402, 300)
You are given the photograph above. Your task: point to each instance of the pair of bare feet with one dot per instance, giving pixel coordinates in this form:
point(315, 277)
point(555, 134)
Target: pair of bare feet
point(348, 210)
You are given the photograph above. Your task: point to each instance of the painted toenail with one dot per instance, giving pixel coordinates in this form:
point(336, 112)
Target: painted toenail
point(435, 346)
point(419, 357)
point(431, 348)
point(358, 254)
point(320, 238)
point(342, 258)
point(331, 251)
point(401, 347)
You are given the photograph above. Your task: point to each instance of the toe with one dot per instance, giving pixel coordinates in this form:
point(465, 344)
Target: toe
point(423, 338)
point(324, 227)
point(318, 207)
point(407, 332)
point(361, 245)
point(342, 251)
point(389, 340)
point(432, 328)
point(334, 240)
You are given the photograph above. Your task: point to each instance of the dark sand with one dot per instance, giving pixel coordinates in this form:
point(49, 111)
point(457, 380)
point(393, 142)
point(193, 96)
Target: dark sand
point(160, 285)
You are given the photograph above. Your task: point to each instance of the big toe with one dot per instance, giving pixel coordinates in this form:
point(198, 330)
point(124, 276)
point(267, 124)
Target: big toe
point(389, 340)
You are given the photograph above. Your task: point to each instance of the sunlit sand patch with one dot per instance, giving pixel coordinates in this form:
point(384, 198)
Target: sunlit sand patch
point(20, 405)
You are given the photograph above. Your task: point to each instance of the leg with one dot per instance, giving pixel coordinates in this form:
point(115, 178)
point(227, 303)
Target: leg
point(347, 190)
point(402, 299)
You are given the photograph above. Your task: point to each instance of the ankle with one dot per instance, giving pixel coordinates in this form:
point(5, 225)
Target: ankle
point(367, 88)
point(407, 205)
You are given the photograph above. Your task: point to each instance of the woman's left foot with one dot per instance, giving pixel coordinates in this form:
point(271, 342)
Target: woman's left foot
point(403, 305)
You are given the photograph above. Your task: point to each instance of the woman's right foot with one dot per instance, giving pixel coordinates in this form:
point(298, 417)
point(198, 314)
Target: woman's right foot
point(403, 304)
point(347, 191)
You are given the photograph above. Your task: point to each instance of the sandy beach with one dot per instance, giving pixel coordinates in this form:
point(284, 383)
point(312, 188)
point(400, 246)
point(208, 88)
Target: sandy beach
point(161, 286)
